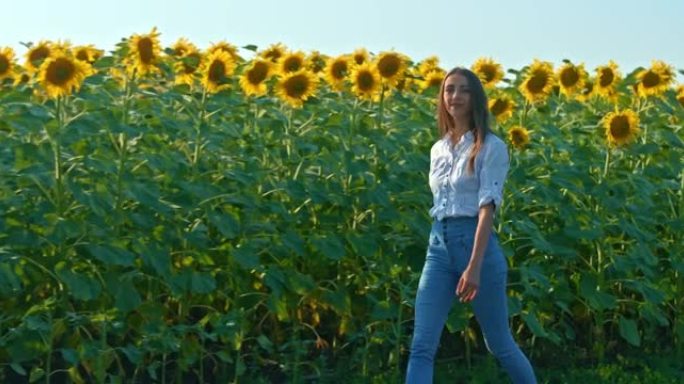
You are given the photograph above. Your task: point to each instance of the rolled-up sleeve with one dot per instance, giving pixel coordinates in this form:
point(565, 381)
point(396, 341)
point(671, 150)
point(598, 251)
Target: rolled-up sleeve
point(495, 165)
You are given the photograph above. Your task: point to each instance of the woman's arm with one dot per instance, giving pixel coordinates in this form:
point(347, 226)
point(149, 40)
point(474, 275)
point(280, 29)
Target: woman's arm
point(469, 283)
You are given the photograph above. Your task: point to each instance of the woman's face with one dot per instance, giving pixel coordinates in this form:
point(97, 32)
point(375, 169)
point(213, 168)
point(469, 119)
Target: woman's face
point(457, 96)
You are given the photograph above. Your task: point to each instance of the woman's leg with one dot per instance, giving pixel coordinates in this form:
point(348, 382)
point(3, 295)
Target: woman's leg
point(433, 300)
point(491, 310)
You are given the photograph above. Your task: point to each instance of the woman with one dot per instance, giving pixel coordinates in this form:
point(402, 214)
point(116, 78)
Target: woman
point(468, 167)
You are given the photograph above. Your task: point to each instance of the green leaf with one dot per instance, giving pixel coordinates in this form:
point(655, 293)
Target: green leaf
point(629, 331)
point(18, 369)
point(329, 245)
point(36, 374)
point(82, 286)
point(111, 255)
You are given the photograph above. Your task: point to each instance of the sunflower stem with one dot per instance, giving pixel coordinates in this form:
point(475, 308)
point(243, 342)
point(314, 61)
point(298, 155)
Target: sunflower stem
point(288, 128)
point(606, 165)
point(121, 145)
point(198, 130)
point(381, 105)
point(57, 150)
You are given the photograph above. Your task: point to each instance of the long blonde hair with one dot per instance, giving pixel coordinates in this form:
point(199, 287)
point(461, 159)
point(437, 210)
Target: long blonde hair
point(479, 114)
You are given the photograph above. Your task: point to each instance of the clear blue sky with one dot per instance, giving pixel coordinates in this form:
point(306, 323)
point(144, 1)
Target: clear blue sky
point(513, 32)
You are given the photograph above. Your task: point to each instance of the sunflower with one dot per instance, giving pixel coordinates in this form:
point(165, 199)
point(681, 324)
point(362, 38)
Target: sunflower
point(61, 74)
point(36, 55)
point(432, 79)
point(587, 91)
point(680, 95)
point(501, 107)
point(538, 82)
point(391, 66)
point(489, 71)
point(621, 127)
point(295, 88)
point(571, 78)
point(226, 47)
point(518, 136)
point(428, 65)
point(316, 62)
point(273, 53)
point(655, 80)
point(253, 79)
point(215, 70)
point(366, 81)
point(182, 46)
point(187, 65)
point(360, 56)
point(336, 71)
point(6, 62)
point(143, 54)
point(291, 62)
point(607, 78)
point(87, 53)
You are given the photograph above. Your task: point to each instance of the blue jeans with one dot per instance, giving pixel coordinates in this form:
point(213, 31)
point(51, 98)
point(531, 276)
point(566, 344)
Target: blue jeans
point(449, 250)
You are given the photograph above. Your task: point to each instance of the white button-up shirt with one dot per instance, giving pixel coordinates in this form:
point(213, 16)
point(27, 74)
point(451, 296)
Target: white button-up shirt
point(456, 192)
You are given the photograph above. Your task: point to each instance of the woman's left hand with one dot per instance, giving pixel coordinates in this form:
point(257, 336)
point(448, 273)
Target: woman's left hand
point(468, 285)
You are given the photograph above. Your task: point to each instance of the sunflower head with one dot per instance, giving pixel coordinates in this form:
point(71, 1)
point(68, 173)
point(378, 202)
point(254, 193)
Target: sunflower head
point(87, 53)
point(489, 71)
point(538, 82)
point(432, 79)
point(571, 78)
point(215, 71)
point(501, 107)
point(143, 54)
point(181, 47)
point(518, 136)
point(230, 49)
point(587, 91)
point(621, 127)
point(366, 81)
point(428, 65)
point(61, 74)
point(187, 66)
point(316, 62)
point(360, 56)
point(253, 79)
point(273, 53)
point(391, 66)
point(655, 80)
point(6, 62)
point(607, 78)
point(291, 62)
point(680, 95)
point(295, 88)
point(37, 54)
point(337, 70)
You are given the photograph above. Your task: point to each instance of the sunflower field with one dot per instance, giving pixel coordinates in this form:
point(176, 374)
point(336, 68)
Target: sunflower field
point(172, 214)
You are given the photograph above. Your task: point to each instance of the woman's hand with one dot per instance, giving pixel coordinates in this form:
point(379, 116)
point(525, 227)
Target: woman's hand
point(468, 285)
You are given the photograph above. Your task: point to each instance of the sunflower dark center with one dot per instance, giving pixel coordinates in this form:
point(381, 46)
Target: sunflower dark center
point(292, 64)
point(389, 66)
point(537, 82)
point(145, 47)
point(569, 77)
point(217, 71)
point(60, 71)
point(619, 127)
point(650, 79)
point(606, 77)
point(4, 64)
point(365, 81)
point(339, 70)
point(489, 73)
point(258, 73)
point(39, 54)
point(297, 86)
point(499, 106)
